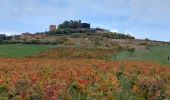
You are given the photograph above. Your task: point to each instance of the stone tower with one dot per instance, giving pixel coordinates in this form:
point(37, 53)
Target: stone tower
point(52, 28)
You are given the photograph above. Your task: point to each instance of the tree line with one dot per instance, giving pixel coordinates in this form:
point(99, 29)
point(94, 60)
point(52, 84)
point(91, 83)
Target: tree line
point(73, 24)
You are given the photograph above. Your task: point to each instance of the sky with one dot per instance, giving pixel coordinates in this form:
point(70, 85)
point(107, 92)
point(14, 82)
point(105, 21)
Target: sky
point(140, 18)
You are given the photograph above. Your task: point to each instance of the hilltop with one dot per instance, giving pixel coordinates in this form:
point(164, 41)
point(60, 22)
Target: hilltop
point(76, 33)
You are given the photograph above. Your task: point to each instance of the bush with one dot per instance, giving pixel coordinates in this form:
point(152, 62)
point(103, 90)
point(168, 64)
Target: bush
point(21, 87)
point(152, 88)
point(31, 42)
point(3, 93)
point(131, 49)
point(36, 93)
point(10, 42)
point(144, 43)
point(116, 35)
point(73, 24)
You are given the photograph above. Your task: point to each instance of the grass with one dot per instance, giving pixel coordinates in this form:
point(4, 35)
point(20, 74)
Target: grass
point(48, 51)
point(21, 50)
point(154, 53)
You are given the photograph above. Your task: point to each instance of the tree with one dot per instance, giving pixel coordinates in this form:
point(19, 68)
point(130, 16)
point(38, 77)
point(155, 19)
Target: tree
point(73, 24)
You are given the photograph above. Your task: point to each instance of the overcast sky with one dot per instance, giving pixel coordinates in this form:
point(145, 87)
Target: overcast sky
point(140, 18)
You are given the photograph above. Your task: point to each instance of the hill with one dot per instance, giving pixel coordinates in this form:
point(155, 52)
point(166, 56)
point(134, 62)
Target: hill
point(67, 30)
point(77, 62)
point(76, 33)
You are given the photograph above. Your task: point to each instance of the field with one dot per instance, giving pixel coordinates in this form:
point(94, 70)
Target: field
point(77, 53)
point(37, 79)
point(154, 53)
point(78, 73)
point(21, 50)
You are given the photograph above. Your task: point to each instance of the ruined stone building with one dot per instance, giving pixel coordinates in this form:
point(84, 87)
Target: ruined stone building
point(52, 28)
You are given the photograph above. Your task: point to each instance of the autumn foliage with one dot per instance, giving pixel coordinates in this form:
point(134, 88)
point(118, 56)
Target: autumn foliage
point(77, 53)
point(50, 79)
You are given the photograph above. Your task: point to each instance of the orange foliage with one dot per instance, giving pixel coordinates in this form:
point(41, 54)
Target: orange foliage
point(76, 53)
point(56, 76)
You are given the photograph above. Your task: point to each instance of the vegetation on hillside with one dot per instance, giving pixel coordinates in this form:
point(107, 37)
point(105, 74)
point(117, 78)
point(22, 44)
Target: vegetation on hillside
point(21, 50)
point(153, 53)
point(78, 53)
point(73, 24)
point(70, 29)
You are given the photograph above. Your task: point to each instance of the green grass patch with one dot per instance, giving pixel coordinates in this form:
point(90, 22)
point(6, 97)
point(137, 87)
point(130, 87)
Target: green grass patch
point(154, 53)
point(21, 50)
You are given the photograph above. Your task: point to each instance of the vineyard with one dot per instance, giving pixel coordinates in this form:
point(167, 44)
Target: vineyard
point(44, 72)
point(77, 53)
point(50, 79)
point(85, 50)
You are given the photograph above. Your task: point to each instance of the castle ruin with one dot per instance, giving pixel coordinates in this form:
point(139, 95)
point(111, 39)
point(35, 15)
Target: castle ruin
point(52, 28)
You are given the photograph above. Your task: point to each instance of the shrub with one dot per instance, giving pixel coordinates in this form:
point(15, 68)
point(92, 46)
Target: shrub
point(36, 93)
point(116, 35)
point(21, 89)
point(10, 41)
point(152, 88)
point(3, 93)
point(131, 49)
point(143, 43)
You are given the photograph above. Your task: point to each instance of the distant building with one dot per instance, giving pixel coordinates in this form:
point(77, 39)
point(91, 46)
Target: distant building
point(52, 28)
point(39, 35)
point(26, 35)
